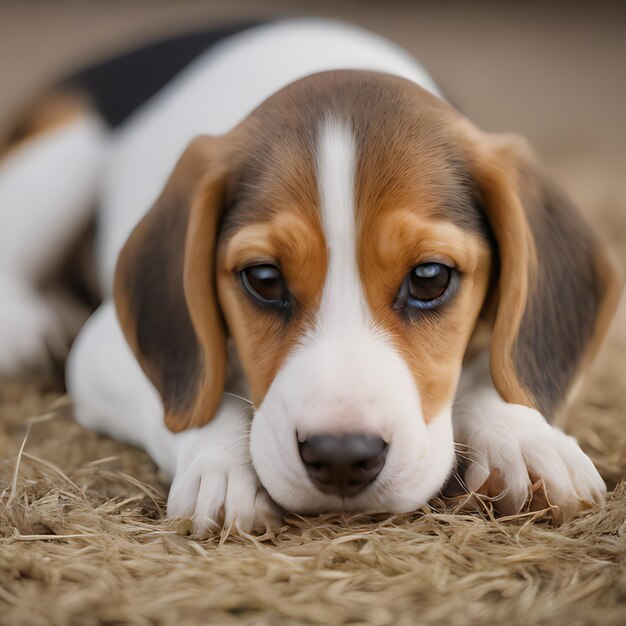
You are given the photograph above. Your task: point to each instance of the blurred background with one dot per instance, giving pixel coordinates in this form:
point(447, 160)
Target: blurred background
point(553, 71)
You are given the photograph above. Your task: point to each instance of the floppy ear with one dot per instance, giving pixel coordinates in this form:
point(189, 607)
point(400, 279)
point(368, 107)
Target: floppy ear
point(557, 287)
point(165, 292)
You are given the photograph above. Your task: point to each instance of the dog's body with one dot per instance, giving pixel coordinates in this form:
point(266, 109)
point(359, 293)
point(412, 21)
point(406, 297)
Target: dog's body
point(322, 199)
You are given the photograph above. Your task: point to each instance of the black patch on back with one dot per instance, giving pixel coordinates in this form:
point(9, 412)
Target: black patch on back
point(119, 85)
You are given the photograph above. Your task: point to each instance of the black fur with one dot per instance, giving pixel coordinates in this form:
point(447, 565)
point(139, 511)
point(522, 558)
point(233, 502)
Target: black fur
point(121, 84)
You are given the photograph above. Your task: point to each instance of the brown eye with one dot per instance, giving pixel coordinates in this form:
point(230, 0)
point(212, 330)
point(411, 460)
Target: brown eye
point(266, 285)
point(427, 286)
point(429, 281)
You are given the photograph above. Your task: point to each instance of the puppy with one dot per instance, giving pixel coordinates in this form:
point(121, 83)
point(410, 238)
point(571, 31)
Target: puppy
point(317, 277)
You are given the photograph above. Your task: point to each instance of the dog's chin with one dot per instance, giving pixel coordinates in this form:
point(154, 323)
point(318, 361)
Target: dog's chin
point(416, 471)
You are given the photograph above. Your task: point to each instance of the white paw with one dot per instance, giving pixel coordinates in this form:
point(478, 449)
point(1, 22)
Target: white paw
point(215, 483)
point(510, 447)
point(30, 332)
point(214, 495)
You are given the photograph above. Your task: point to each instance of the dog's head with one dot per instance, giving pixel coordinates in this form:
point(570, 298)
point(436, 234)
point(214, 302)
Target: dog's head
point(348, 237)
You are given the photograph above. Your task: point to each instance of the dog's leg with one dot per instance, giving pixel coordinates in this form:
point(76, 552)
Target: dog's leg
point(213, 478)
point(509, 446)
point(48, 186)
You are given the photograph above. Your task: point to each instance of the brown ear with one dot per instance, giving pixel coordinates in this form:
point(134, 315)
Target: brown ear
point(557, 288)
point(165, 292)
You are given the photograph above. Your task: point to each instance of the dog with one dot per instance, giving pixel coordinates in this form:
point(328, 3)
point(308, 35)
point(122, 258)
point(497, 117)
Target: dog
point(318, 278)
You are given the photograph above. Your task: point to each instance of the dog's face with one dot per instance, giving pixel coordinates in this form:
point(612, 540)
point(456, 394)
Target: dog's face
point(351, 269)
point(347, 236)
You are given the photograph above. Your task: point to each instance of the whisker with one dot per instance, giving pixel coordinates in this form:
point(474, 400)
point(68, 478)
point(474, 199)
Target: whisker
point(234, 395)
point(455, 444)
point(465, 457)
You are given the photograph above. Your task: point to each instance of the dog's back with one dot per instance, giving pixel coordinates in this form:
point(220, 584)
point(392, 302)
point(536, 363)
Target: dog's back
point(108, 136)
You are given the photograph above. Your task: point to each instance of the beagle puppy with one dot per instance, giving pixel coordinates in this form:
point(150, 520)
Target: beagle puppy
point(318, 278)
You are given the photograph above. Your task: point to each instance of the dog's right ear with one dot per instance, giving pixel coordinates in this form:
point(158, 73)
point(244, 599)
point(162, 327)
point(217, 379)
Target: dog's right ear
point(165, 292)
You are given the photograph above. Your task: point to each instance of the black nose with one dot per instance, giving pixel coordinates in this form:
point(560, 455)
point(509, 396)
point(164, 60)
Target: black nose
point(343, 464)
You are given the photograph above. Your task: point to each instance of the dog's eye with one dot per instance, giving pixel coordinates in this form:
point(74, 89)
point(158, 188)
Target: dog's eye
point(426, 286)
point(429, 281)
point(266, 285)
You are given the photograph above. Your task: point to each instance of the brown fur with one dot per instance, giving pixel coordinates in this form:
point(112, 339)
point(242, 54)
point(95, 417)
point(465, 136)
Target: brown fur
point(294, 240)
point(46, 113)
point(165, 289)
point(558, 287)
point(429, 187)
point(433, 343)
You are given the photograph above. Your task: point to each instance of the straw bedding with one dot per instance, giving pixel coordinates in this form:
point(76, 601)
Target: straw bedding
point(83, 539)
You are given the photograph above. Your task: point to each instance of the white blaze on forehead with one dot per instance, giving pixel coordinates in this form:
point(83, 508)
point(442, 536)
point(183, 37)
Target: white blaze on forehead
point(342, 298)
point(346, 376)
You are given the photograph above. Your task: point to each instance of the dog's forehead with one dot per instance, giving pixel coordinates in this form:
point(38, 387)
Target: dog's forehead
point(407, 154)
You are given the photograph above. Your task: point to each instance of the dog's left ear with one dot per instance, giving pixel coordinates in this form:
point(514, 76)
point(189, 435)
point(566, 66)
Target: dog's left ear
point(165, 292)
point(557, 287)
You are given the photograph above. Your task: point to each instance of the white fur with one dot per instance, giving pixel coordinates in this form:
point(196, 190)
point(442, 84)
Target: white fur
point(47, 191)
point(213, 94)
point(346, 377)
point(30, 332)
point(213, 477)
point(48, 188)
point(515, 439)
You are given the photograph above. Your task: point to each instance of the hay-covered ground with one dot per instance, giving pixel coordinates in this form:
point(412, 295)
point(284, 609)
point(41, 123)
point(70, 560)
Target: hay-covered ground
point(83, 539)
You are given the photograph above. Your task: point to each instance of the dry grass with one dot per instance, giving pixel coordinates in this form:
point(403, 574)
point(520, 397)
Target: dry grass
point(83, 539)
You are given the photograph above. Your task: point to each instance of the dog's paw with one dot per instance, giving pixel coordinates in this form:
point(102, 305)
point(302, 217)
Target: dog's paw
point(214, 495)
point(513, 452)
point(214, 481)
point(30, 333)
